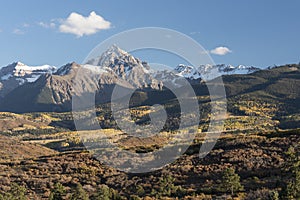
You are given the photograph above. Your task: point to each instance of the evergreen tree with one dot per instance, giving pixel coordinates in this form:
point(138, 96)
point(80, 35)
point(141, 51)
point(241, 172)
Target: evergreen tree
point(58, 192)
point(79, 193)
point(103, 193)
point(106, 193)
point(292, 188)
point(231, 181)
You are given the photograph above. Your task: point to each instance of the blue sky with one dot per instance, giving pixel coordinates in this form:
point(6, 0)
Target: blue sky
point(259, 33)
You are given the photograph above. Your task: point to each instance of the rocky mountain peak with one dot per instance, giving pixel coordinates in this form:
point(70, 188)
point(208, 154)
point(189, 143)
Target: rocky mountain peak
point(192, 72)
point(116, 50)
point(67, 69)
point(18, 73)
point(19, 69)
point(121, 62)
point(108, 57)
point(187, 71)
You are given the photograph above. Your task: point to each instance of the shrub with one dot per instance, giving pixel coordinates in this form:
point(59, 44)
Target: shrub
point(134, 197)
point(16, 192)
point(140, 190)
point(263, 194)
point(166, 185)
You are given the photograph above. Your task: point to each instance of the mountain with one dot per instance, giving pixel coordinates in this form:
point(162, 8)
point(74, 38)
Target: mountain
point(265, 99)
point(271, 95)
point(16, 74)
point(53, 92)
point(126, 67)
point(194, 73)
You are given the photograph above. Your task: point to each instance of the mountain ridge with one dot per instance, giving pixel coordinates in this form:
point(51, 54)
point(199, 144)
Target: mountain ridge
point(53, 91)
point(17, 73)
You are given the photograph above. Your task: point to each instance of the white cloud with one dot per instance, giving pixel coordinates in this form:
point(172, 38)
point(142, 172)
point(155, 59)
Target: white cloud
point(47, 25)
point(18, 31)
point(221, 51)
point(79, 25)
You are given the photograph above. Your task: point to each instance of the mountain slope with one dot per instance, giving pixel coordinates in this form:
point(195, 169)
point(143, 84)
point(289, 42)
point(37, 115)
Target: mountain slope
point(263, 99)
point(13, 150)
point(277, 87)
point(16, 74)
point(53, 92)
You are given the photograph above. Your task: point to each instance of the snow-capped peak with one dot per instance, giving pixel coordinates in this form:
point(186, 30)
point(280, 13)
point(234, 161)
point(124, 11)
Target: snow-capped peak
point(187, 71)
point(114, 49)
point(109, 56)
point(24, 73)
point(20, 70)
point(17, 73)
point(191, 72)
point(120, 61)
point(22, 66)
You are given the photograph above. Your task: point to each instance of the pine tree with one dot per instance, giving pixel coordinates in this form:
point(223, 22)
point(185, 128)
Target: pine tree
point(231, 181)
point(106, 193)
point(292, 189)
point(58, 192)
point(102, 194)
point(79, 193)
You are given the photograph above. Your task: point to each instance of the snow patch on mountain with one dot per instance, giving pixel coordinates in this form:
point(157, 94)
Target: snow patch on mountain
point(120, 61)
point(24, 73)
point(109, 56)
point(194, 73)
point(17, 73)
point(19, 67)
point(187, 71)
